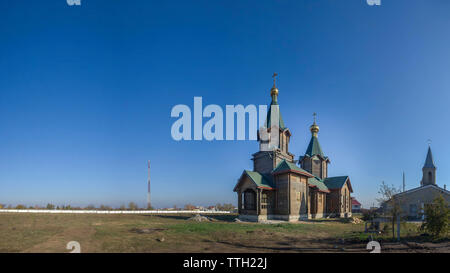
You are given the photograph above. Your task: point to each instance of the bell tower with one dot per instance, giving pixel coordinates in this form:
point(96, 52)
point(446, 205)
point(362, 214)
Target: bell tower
point(314, 161)
point(269, 156)
point(428, 170)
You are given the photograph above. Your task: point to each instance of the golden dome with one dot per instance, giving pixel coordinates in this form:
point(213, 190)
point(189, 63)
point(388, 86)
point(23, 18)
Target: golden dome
point(314, 129)
point(274, 91)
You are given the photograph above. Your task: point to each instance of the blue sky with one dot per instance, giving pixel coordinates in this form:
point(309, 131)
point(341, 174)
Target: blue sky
point(86, 93)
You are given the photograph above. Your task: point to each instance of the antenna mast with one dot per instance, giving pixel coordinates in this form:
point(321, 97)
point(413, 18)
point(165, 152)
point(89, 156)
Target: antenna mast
point(148, 193)
point(403, 181)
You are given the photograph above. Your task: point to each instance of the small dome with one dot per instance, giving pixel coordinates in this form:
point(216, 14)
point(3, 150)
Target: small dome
point(274, 91)
point(314, 129)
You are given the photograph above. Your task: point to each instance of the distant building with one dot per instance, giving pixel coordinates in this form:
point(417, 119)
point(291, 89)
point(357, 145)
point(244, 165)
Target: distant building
point(278, 188)
point(413, 201)
point(356, 206)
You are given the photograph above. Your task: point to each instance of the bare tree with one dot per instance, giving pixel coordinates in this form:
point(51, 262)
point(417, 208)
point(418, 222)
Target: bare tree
point(103, 207)
point(189, 207)
point(390, 203)
point(225, 207)
point(132, 206)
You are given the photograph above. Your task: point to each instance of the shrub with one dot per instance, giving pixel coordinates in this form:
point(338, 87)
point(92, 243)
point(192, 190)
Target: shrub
point(90, 207)
point(369, 215)
point(103, 207)
point(436, 217)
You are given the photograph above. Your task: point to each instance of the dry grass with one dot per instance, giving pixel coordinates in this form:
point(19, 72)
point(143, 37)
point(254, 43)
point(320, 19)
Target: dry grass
point(173, 233)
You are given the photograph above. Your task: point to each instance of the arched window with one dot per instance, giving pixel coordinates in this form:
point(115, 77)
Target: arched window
point(430, 177)
point(249, 199)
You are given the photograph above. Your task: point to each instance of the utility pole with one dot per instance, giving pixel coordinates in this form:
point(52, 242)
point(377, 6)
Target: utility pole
point(148, 193)
point(403, 181)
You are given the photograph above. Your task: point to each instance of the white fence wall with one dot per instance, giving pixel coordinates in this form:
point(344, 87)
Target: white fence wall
point(114, 211)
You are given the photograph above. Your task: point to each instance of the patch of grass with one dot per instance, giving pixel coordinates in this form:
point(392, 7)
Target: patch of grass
point(173, 233)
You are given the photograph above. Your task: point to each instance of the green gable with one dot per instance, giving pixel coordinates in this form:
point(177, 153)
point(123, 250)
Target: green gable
point(336, 182)
point(285, 166)
point(260, 180)
point(315, 181)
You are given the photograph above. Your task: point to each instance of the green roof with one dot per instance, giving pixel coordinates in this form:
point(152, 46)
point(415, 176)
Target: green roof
point(314, 148)
point(269, 113)
point(266, 181)
point(260, 180)
point(288, 166)
point(315, 181)
point(336, 182)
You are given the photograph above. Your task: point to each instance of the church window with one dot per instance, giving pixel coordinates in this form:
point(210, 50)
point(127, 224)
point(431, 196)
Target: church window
point(413, 209)
point(264, 198)
point(265, 201)
point(430, 177)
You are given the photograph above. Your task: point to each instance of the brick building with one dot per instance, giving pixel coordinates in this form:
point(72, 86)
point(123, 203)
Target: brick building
point(278, 188)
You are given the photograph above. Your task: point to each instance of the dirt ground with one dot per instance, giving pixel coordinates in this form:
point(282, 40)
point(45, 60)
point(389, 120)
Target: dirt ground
point(27, 232)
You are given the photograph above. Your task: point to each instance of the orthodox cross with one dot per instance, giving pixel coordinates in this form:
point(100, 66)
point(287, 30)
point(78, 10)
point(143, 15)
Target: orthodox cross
point(274, 76)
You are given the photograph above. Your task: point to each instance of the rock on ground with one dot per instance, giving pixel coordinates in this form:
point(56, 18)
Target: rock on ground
point(200, 218)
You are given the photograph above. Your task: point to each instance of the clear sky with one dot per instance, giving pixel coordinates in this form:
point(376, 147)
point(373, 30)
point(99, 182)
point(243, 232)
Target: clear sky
point(86, 93)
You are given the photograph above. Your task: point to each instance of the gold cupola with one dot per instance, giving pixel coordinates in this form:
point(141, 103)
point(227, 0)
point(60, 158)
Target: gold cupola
point(314, 128)
point(274, 90)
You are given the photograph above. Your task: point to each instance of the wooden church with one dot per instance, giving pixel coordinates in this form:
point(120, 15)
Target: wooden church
point(279, 189)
